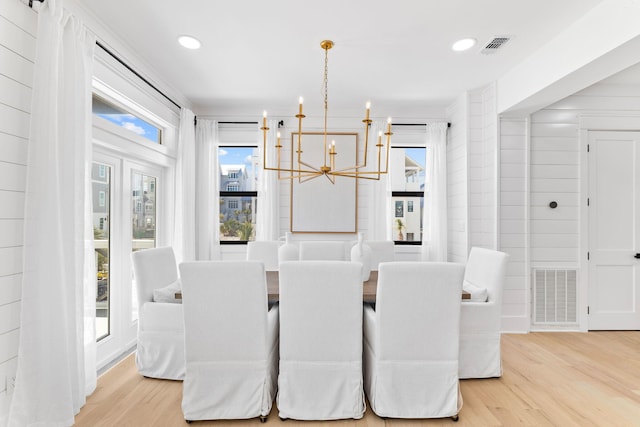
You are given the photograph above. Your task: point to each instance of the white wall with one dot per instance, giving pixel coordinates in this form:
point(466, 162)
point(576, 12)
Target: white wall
point(18, 26)
point(539, 163)
point(457, 114)
point(482, 148)
point(513, 225)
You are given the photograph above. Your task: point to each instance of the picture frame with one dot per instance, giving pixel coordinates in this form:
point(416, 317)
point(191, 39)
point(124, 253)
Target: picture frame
point(317, 205)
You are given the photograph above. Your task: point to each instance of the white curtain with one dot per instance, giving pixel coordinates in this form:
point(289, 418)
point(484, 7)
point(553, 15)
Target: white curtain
point(268, 216)
point(208, 191)
point(379, 191)
point(57, 350)
point(184, 235)
point(434, 238)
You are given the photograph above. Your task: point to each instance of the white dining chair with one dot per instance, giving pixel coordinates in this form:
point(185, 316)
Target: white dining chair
point(323, 250)
point(381, 251)
point(231, 341)
point(265, 251)
point(480, 355)
point(320, 341)
point(411, 341)
point(160, 341)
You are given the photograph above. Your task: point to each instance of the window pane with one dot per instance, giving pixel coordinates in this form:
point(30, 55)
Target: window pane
point(407, 223)
point(407, 168)
point(238, 218)
point(143, 215)
point(124, 119)
point(143, 221)
point(101, 186)
point(239, 167)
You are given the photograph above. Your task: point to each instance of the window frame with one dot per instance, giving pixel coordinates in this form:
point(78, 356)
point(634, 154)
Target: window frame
point(235, 194)
point(419, 194)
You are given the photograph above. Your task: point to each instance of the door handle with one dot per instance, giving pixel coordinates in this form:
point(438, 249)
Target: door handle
point(637, 256)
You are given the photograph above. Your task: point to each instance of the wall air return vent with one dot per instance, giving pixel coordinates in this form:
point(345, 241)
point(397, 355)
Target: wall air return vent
point(555, 297)
point(494, 44)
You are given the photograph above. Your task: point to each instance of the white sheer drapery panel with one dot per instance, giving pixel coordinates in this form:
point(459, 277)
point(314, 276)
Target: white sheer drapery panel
point(208, 191)
point(184, 234)
point(380, 191)
point(268, 216)
point(434, 237)
point(57, 354)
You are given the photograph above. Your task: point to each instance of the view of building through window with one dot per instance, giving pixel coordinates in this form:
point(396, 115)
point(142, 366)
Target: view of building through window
point(407, 176)
point(101, 186)
point(239, 168)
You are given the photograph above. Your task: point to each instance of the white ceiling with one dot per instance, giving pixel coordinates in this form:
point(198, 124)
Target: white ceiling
point(265, 54)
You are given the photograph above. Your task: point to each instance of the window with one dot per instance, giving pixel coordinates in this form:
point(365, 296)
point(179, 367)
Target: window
point(238, 196)
point(407, 189)
point(126, 120)
point(101, 235)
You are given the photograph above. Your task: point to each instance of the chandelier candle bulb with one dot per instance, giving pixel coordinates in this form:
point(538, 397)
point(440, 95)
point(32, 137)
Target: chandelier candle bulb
point(301, 99)
point(368, 110)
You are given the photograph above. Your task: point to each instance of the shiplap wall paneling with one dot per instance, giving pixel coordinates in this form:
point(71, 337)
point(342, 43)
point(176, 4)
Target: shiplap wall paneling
point(513, 222)
point(489, 159)
point(18, 26)
point(555, 177)
point(457, 197)
point(475, 169)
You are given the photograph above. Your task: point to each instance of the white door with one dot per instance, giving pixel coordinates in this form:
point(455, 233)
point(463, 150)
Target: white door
point(614, 230)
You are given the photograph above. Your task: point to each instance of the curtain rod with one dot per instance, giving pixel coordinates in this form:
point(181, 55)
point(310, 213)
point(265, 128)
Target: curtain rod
point(415, 124)
point(114, 56)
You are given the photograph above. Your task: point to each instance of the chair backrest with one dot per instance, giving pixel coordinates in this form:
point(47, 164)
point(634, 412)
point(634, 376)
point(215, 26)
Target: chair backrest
point(323, 251)
point(225, 310)
point(265, 251)
point(487, 268)
point(381, 251)
point(320, 311)
point(153, 269)
point(418, 310)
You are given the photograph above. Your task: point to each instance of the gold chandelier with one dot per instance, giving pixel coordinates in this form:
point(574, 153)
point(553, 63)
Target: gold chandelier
point(306, 171)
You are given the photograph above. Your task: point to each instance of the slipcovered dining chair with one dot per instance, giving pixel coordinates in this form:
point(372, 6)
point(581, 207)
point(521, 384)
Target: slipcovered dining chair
point(381, 251)
point(411, 341)
point(160, 344)
point(231, 341)
point(265, 251)
point(484, 275)
point(320, 340)
point(323, 251)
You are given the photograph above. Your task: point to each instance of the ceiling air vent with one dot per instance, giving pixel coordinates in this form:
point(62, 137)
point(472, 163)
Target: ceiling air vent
point(496, 43)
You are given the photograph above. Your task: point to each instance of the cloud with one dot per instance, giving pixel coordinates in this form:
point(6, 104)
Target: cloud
point(133, 127)
point(222, 152)
point(248, 159)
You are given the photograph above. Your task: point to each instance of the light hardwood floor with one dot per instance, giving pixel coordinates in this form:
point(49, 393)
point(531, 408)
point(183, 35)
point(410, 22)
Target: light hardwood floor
point(550, 379)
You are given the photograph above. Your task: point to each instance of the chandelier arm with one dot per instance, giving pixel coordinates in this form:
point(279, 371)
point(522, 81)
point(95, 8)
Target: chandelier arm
point(358, 175)
point(306, 174)
point(311, 167)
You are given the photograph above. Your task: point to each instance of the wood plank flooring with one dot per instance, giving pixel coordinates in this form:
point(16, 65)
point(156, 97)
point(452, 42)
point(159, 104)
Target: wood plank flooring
point(550, 379)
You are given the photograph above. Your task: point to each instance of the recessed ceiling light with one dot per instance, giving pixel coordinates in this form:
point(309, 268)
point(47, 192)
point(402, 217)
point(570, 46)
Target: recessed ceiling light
point(189, 42)
point(463, 44)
